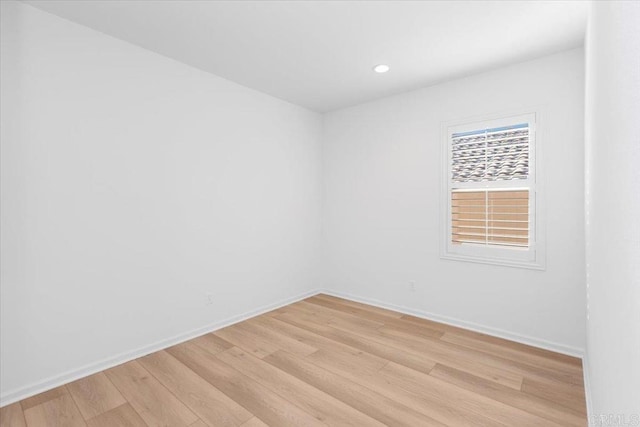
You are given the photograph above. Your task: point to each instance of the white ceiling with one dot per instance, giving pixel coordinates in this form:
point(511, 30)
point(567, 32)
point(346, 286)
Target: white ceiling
point(319, 54)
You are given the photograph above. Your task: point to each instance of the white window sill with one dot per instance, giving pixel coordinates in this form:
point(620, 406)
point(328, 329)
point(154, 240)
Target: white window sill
point(531, 265)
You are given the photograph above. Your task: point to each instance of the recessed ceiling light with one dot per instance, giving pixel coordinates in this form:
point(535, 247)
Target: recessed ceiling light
point(381, 68)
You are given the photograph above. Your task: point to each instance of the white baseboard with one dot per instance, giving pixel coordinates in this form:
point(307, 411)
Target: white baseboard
point(511, 336)
point(100, 365)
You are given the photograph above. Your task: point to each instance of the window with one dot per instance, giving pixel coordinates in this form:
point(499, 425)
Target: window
point(491, 192)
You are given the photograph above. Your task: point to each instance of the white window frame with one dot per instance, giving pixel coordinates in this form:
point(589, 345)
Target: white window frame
point(531, 257)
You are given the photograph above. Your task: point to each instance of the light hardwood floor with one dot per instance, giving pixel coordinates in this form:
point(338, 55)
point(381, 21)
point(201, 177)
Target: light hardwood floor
point(324, 361)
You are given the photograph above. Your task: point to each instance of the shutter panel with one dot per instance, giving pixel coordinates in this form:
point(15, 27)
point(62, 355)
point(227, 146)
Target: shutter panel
point(490, 217)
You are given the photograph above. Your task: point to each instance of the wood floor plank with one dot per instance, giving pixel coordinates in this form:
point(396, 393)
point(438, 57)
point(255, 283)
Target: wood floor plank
point(283, 342)
point(207, 402)
point(331, 315)
point(254, 422)
point(529, 403)
point(259, 400)
point(461, 353)
point(373, 404)
point(358, 362)
point(412, 360)
point(313, 401)
point(363, 313)
point(466, 359)
point(371, 308)
point(385, 313)
point(313, 339)
point(12, 416)
point(43, 397)
point(246, 341)
point(151, 400)
point(413, 329)
point(122, 416)
point(568, 395)
point(213, 344)
point(61, 411)
point(397, 322)
point(476, 363)
point(511, 353)
point(494, 340)
point(527, 363)
point(431, 404)
point(95, 394)
point(387, 321)
point(470, 402)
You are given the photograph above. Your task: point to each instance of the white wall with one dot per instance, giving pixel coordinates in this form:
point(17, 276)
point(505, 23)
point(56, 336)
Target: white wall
point(381, 208)
point(613, 208)
point(132, 186)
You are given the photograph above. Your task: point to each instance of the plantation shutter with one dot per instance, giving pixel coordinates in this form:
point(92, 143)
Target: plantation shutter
point(489, 180)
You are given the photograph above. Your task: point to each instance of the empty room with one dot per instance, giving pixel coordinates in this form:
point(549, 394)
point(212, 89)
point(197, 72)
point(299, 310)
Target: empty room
point(319, 213)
